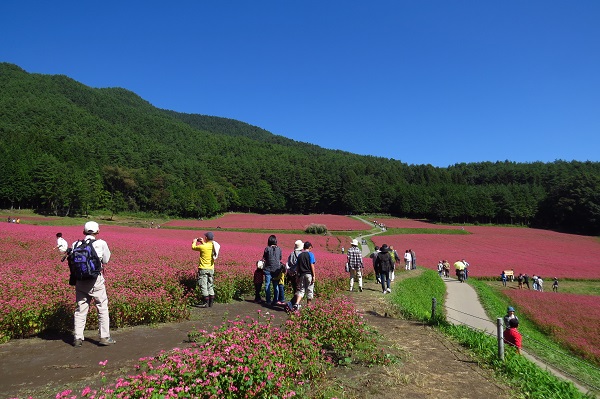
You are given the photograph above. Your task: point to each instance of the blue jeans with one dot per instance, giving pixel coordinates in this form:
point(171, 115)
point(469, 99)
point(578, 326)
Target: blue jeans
point(270, 279)
point(385, 280)
point(279, 293)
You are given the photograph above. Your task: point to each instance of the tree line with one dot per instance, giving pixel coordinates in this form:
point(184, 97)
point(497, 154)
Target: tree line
point(68, 149)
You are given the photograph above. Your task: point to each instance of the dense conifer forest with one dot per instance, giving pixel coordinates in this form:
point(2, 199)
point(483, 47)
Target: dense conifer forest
point(68, 149)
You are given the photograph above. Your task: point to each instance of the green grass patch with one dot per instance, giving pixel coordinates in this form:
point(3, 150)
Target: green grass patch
point(413, 296)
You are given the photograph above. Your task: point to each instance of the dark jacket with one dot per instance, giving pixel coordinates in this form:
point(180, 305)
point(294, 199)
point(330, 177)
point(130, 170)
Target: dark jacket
point(383, 262)
point(272, 257)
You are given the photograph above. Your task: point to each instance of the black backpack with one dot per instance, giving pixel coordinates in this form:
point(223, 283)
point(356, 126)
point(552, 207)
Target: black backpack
point(84, 262)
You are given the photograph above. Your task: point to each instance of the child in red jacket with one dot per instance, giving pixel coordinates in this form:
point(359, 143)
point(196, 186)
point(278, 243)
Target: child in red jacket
point(512, 335)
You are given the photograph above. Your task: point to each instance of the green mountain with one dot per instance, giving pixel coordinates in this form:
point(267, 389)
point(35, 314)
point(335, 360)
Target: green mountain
point(66, 148)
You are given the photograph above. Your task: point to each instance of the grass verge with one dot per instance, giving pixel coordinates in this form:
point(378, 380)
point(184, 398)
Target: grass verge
point(413, 297)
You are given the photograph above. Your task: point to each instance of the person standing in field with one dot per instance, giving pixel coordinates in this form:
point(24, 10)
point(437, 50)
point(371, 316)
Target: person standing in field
point(384, 265)
point(512, 336)
point(413, 259)
point(540, 284)
point(526, 280)
point(92, 289)
point(407, 260)
point(61, 244)
point(503, 278)
point(209, 252)
point(272, 256)
point(306, 278)
point(355, 265)
point(555, 285)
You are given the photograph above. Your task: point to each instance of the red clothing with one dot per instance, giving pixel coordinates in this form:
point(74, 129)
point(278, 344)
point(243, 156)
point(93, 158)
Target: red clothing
point(513, 337)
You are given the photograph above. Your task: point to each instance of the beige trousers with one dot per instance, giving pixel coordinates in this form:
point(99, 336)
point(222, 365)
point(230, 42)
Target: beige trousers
point(85, 291)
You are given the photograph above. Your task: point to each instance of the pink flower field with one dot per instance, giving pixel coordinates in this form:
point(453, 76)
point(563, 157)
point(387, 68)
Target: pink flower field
point(273, 222)
point(489, 250)
point(146, 277)
point(571, 319)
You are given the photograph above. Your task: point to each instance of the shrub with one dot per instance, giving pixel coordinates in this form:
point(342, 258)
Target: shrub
point(314, 228)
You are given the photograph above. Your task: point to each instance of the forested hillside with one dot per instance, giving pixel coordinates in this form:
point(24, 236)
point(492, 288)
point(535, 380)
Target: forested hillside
point(67, 149)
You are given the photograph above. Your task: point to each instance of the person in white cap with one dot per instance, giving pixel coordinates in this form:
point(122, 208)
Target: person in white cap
point(355, 265)
point(292, 263)
point(86, 290)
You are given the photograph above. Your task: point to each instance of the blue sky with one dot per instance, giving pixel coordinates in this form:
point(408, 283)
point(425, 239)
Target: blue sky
point(424, 82)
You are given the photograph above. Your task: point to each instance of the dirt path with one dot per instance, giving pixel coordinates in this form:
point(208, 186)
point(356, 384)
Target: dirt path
point(431, 365)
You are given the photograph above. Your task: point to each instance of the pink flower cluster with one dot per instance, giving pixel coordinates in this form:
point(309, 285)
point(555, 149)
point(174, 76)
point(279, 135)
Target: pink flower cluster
point(273, 222)
point(489, 250)
point(572, 319)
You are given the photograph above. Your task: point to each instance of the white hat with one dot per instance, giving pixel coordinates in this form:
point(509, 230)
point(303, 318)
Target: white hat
point(298, 245)
point(355, 242)
point(91, 228)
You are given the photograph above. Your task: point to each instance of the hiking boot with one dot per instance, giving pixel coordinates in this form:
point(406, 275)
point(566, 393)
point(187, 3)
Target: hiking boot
point(360, 289)
point(106, 341)
point(77, 343)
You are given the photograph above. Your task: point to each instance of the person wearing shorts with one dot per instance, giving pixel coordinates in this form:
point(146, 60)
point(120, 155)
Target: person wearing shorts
point(306, 277)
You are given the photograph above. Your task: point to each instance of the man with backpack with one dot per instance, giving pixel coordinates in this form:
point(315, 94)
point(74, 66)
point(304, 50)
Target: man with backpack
point(292, 264)
point(86, 262)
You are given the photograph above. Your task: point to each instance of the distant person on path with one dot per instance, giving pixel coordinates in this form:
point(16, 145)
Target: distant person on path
point(510, 314)
point(535, 282)
point(395, 259)
point(272, 256)
point(355, 265)
point(540, 284)
point(92, 289)
point(503, 278)
point(306, 278)
point(446, 268)
point(555, 285)
point(460, 270)
point(258, 278)
point(61, 244)
point(413, 259)
point(407, 260)
point(512, 336)
point(440, 268)
point(209, 252)
point(384, 265)
point(466, 269)
point(292, 263)
point(526, 280)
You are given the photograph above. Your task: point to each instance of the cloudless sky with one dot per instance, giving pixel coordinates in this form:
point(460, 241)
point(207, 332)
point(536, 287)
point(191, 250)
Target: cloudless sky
point(425, 82)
